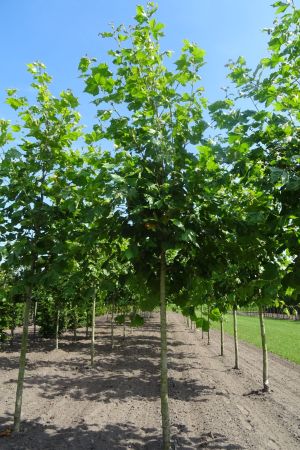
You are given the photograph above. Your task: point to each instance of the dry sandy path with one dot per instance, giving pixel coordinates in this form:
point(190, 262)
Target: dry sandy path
point(68, 405)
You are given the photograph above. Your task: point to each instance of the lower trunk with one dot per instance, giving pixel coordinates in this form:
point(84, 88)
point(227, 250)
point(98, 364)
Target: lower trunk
point(202, 332)
point(222, 336)
point(208, 333)
point(124, 329)
point(163, 356)
point(12, 335)
point(235, 333)
point(112, 327)
point(22, 363)
point(75, 325)
point(57, 330)
point(93, 331)
point(34, 319)
point(266, 387)
point(87, 324)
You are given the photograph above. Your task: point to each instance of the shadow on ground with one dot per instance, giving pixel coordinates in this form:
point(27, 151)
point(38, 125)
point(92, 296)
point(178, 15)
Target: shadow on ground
point(121, 436)
point(130, 371)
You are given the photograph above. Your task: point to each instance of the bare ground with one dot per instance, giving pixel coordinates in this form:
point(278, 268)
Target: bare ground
point(115, 405)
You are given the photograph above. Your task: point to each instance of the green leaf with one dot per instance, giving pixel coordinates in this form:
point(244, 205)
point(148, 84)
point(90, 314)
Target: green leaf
point(16, 103)
point(16, 128)
point(199, 322)
point(69, 98)
point(281, 6)
point(106, 34)
point(215, 314)
point(131, 252)
point(136, 320)
point(270, 272)
point(13, 153)
point(205, 325)
point(84, 64)
point(120, 319)
point(11, 92)
point(198, 54)
point(141, 15)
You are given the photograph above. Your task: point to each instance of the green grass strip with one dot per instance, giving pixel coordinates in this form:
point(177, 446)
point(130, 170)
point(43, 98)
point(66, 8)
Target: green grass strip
point(283, 336)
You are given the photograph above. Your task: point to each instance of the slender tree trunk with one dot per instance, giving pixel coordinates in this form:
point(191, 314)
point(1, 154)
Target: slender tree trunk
point(87, 324)
point(163, 356)
point(202, 332)
point(201, 312)
point(236, 345)
point(22, 363)
point(12, 335)
point(222, 336)
point(266, 387)
point(208, 333)
point(93, 330)
point(124, 328)
point(112, 327)
point(34, 319)
point(75, 325)
point(57, 330)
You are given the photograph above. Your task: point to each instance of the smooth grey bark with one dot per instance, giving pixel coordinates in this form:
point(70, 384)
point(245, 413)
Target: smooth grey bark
point(34, 319)
point(75, 325)
point(13, 323)
point(124, 328)
point(235, 334)
point(12, 334)
point(202, 332)
point(87, 324)
point(163, 356)
point(93, 330)
point(22, 362)
point(208, 333)
point(266, 386)
point(222, 335)
point(112, 327)
point(57, 329)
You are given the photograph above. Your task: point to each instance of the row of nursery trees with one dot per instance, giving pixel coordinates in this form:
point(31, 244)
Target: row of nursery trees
point(198, 203)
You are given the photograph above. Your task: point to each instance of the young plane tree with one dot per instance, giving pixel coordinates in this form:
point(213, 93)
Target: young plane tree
point(153, 114)
point(45, 132)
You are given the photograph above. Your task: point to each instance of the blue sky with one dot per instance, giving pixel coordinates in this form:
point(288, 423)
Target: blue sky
point(59, 32)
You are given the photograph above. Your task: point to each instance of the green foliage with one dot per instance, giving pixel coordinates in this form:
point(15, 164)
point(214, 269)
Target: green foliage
point(205, 325)
point(77, 225)
point(120, 319)
point(136, 320)
point(215, 315)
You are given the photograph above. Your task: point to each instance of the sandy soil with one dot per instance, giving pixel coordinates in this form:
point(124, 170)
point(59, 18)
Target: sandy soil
point(68, 405)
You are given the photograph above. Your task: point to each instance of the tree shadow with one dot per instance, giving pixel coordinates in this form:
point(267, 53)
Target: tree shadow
point(119, 436)
point(129, 372)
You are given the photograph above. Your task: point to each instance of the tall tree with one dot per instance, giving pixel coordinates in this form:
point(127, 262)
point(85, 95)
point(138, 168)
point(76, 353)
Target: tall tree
point(152, 114)
point(44, 133)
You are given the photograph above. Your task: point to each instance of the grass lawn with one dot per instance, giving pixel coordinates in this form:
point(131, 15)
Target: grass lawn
point(283, 336)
